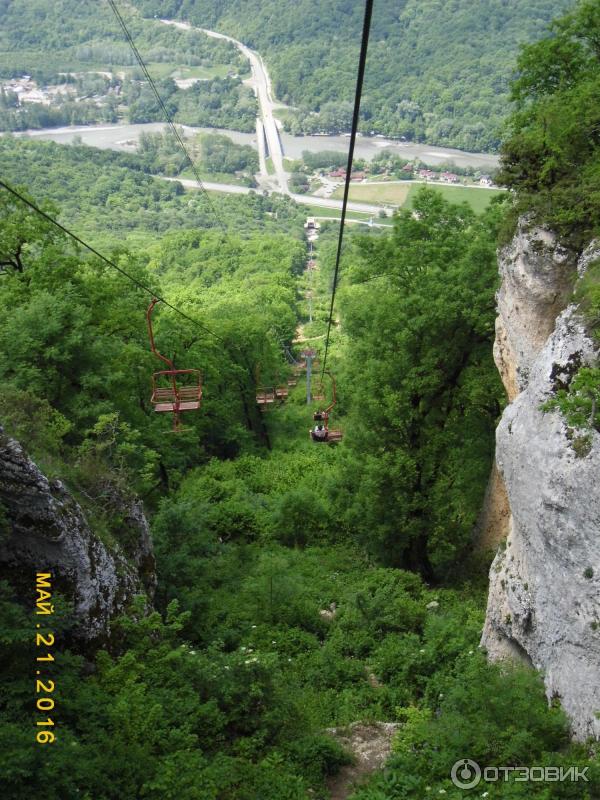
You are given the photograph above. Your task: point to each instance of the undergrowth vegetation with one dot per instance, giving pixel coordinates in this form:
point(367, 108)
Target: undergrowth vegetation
point(301, 587)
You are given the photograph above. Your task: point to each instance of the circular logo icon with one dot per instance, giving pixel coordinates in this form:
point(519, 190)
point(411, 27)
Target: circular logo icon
point(466, 773)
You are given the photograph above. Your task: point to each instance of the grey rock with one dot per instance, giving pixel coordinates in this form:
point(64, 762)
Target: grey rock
point(542, 609)
point(46, 530)
point(537, 275)
point(590, 254)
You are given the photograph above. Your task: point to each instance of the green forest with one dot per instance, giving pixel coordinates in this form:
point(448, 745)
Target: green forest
point(85, 41)
point(300, 586)
point(413, 90)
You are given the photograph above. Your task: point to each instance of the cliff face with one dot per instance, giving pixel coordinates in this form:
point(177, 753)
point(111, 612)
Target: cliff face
point(544, 597)
point(44, 528)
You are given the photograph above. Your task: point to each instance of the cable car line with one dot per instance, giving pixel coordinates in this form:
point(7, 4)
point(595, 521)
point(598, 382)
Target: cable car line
point(357, 97)
point(176, 398)
point(165, 111)
point(107, 261)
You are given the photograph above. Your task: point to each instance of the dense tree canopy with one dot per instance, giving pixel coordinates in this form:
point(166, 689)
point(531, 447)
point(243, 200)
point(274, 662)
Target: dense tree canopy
point(419, 318)
point(81, 48)
point(551, 157)
point(300, 586)
point(413, 88)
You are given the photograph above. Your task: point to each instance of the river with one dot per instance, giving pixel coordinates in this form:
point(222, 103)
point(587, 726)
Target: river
point(124, 137)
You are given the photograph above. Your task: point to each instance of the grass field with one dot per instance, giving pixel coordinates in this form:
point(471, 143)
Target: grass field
point(204, 73)
point(382, 193)
point(478, 199)
point(402, 194)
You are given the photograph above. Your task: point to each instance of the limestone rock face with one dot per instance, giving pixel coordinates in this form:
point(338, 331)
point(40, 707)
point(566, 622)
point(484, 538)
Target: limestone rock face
point(42, 528)
point(544, 597)
point(537, 277)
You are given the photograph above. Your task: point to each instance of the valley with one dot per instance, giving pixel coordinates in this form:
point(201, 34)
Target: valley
point(290, 509)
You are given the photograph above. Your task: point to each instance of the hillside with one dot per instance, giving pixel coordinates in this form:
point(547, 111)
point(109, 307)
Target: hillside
point(75, 54)
point(233, 609)
point(438, 72)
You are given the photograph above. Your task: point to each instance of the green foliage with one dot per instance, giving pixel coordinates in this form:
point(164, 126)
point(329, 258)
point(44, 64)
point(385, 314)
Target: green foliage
point(495, 716)
point(74, 356)
point(427, 392)
point(220, 154)
point(276, 618)
point(577, 396)
point(327, 159)
point(412, 89)
point(83, 51)
point(587, 294)
point(217, 102)
point(550, 156)
point(580, 403)
point(108, 196)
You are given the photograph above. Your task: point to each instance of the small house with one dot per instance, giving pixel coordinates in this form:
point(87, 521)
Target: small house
point(449, 177)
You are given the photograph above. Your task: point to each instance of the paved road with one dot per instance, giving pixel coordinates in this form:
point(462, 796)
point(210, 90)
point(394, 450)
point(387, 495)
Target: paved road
point(230, 188)
point(306, 200)
point(357, 221)
point(262, 88)
point(124, 136)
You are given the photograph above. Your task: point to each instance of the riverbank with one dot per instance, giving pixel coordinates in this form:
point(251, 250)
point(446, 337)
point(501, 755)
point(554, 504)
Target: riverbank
point(124, 137)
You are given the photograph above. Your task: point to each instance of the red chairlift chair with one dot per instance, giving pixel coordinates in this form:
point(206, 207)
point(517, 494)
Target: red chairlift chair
point(322, 418)
point(173, 390)
point(265, 396)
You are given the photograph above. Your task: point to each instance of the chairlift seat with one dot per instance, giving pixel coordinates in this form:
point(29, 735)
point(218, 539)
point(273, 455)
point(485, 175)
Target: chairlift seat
point(176, 390)
point(265, 396)
point(331, 438)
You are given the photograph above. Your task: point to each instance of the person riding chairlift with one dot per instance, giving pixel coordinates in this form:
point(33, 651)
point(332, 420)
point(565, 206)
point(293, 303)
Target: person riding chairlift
point(320, 416)
point(319, 433)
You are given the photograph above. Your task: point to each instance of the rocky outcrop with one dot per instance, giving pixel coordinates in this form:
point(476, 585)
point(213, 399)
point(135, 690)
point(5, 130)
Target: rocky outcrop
point(537, 275)
point(544, 597)
point(42, 528)
point(492, 526)
point(370, 745)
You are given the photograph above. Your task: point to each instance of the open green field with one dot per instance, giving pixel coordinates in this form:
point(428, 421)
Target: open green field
point(383, 193)
point(203, 73)
point(402, 194)
point(478, 199)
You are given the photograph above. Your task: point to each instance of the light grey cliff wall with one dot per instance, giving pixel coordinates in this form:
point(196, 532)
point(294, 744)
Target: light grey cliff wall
point(544, 596)
point(44, 529)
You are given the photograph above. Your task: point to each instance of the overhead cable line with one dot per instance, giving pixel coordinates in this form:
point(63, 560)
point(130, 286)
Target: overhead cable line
point(355, 115)
point(107, 261)
point(165, 111)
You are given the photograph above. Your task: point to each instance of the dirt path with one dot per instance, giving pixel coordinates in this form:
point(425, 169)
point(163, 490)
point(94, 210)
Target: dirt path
point(371, 745)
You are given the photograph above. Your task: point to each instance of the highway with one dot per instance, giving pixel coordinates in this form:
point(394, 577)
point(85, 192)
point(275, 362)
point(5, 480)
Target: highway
point(262, 89)
point(278, 182)
point(303, 199)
